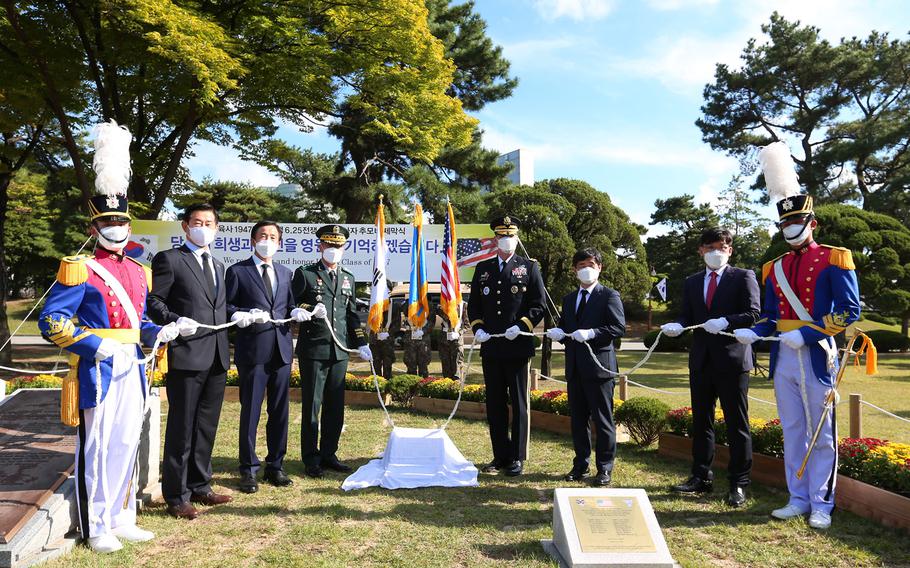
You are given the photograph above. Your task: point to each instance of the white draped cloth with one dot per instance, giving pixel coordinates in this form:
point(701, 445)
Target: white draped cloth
point(415, 457)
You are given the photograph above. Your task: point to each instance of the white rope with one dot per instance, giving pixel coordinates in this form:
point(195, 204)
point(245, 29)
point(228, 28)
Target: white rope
point(883, 411)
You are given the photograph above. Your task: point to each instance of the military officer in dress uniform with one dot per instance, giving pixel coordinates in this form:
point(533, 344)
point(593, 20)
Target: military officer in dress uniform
point(811, 295)
point(107, 292)
point(327, 289)
point(507, 298)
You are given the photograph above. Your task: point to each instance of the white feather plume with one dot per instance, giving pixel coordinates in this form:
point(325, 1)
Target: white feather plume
point(780, 174)
point(112, 158)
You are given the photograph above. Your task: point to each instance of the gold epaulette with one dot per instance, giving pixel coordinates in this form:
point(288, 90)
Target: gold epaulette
point(148, 272)
point(766, 267)
point(73, 271)
point(841, 257)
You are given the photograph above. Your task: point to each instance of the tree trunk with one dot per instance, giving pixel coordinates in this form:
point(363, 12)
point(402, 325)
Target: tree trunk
point(6, 355)
point(905, 324)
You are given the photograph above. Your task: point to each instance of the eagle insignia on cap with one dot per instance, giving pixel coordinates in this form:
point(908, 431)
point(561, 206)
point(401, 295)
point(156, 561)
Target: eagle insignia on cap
point(507, 221)
point(336, 230)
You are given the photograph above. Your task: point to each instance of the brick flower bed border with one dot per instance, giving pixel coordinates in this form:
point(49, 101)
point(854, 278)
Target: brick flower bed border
point(868, 501)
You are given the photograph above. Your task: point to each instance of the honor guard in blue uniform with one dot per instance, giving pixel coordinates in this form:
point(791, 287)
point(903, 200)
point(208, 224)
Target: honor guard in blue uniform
point(104, 395)
point(326, 289)
point(810, 295)
point(507, 297)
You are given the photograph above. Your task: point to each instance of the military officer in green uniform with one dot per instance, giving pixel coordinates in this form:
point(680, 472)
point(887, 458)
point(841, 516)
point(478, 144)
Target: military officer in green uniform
point(327, 289)
point(507, 299)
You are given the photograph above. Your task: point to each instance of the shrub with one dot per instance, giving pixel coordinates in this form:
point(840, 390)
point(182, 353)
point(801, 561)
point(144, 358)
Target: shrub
point(768, 438)
point(364, 384)
point(403, 388)
point(679, 421)
point(889, 467)
point(667, 343)
point(644, 418)
point(872, 316)
point(852, 454)
point(543, 401)
point(886, 340)
point(474, 393)
point(233, 378)
point(439, 388)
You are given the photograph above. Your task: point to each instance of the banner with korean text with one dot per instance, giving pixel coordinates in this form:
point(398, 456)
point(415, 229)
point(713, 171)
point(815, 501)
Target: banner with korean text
point(299, 246)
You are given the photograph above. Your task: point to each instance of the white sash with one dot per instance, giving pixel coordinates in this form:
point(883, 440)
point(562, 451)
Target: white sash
point(826, 343)
point(125, 302)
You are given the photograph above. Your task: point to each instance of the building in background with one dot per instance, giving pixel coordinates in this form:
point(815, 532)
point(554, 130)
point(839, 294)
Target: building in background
point(522, 166)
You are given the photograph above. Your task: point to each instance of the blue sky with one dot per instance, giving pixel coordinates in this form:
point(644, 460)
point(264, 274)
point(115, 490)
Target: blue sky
point(610, 89)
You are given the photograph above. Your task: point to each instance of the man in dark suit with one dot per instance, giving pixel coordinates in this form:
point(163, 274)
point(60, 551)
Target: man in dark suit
point(721, 297)
point(591, 314)
point(188, 288)
point(259, 289)
point(327, 289)
point(507, 296)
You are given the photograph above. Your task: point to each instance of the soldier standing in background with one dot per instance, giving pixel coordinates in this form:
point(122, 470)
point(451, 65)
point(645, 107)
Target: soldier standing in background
point(451, 347)
point(382, 344)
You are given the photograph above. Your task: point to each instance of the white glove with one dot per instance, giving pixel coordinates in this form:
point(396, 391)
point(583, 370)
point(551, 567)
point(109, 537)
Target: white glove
point(745, 336)
point(168, 333)
point(382, 335)
point(836, 396)
point(713, 326)
point(243, 319)
point(480, 336)
point(452, 336)
point(319, 311)
point(187, 326)
point(301, 315)
point(582, 335)
point(512, 332)
point(792, 339)
point(107, 348)
point(672, 329)
point(417, 334)
point(556, 334)
point(365, 353)
point(259, 316)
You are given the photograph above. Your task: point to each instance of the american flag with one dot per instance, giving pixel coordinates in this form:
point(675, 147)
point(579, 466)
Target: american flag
point(472, 251)
point(450, 285)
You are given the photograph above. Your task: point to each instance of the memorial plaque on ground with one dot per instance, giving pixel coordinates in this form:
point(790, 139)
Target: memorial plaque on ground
point(606, 527)
point(37, 452)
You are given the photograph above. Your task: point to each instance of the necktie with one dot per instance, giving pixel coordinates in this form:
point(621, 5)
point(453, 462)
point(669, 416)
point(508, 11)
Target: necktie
point(582, 304)
point(332, 275)
point(712, 287)
point(267, 281)
point(207, 273)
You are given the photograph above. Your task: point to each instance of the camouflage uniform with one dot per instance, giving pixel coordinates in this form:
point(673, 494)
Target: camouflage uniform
point(418, 352)
point(451, 352)
point(384, 350)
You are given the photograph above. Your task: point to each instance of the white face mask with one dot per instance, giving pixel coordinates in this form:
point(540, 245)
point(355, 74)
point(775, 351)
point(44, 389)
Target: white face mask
point(266, 248)
point(716, 259)
point(114, 237)
point(507, 244)
point(202, 236)
point(332, 255)
point(588, 275)
point(796, 234)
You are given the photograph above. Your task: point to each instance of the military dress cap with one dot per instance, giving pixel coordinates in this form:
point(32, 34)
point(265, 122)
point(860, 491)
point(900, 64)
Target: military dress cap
point(109, 208)
point(333, 234)
point(796, 205)
point(506, 225)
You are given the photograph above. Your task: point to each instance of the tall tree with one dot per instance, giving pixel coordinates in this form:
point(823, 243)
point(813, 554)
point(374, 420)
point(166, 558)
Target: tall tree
point(367, 156)
point(675, 253)
point(844, 109)
point(176, 71)
point(750, 230)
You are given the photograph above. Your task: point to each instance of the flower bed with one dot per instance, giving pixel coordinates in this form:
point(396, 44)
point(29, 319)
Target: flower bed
point(767, 435)
point(34, 382)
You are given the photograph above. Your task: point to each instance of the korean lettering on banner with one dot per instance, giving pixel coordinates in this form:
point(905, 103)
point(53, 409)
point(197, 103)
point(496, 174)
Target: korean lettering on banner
point(299, 247)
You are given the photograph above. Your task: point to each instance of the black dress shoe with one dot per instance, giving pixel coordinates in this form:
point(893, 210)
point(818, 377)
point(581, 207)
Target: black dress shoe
point(492, 467)
point(694, 485)
point(277, 477)
point(513, 469)
point(248, 483)
point(576, 475)
point(314, 471)
point(602, 479)
point(337, 466)
point(737, 496)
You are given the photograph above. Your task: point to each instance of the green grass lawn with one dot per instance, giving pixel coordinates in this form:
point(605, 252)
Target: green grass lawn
point(16, 310)
point(499, 523)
